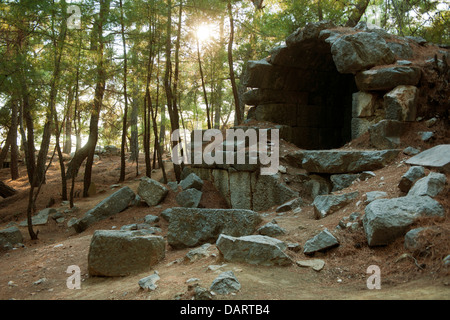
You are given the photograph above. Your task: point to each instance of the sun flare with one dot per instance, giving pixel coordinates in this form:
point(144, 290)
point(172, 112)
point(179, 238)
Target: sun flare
point(204, 32)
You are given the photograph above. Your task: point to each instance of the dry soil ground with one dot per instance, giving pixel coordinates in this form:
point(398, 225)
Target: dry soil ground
point(343, 276)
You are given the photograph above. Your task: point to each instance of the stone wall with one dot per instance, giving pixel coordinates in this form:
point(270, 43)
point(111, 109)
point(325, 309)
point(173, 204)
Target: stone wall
point(327, 85)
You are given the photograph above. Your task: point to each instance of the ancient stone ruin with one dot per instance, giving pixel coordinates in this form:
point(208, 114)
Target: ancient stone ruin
point(328, 85)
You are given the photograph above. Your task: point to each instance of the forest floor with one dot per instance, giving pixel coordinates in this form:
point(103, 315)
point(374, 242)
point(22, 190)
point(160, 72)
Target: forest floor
point(344, 275)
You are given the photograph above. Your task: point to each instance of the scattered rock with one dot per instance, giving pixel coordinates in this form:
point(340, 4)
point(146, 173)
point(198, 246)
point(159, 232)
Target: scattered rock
point(201, 293)
point(11, 236)
point(151, 219)
point(115, 203)
point(387, 219)
point(342, 181)
point(198, 253)
point(411, 151)
point(190, 227)
point(425, 135)
point(315, 264)
point(290, 205)
point(225, 283)
point(323, 241)
point(189, 198)
point(373, 195)
point(192, 181)
point(271, 229)
point(325, 205)
point(41, 218)
point(149, 283)
point(108, 258)
point(437, 157)
point(430, 185)
point(253, 249)
point(151, 191)
point(412, 175)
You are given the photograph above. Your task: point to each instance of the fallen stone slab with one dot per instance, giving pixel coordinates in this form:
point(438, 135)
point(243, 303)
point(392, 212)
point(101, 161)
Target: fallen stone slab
point(192, 181)
point(149, 283)
point(41, 218)
point(345, 161)
point(271, 229)
point(374, 195)
point(114, 253)
point(115, 203)
point(11, 236)
point(190, 227)
point(412, 175)
point(321, 242)
point(437, 157)
point(189, 198)
point(387, 219)
point(225, 283)
point(326, 204)
point(151, 191)
point(290, 205)
point(315, 264)
point(253, 249)
point(430, 185)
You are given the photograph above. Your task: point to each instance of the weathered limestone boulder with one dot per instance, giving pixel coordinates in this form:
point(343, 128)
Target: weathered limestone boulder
point(326, 204)
point(310, 31)
point(115, 253)
point(430, 185)
point(437, 157)
point(189, 198)
point(268, 191)
point(253, 249)
point(271, 229)
point(345, 161)
point(225, 283)
point(290, 205)
point(190, 227)
point(387, 78)
point(342, 181)
point(315, 264)
point(387, 219)
point(321, 242)
point(115, 203)
point(149, 283)
point(386, 134)
point(401, 103)
point(412, 175)
point(374, 195)
point(192, 181)
point(11, 236)
point(360, 51)
point(151, 191)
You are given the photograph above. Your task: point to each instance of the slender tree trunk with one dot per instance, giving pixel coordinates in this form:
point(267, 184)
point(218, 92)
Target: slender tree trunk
point(14, 166)
point(357, 13)
point(238, 114)
point(68, 130)
point(125, 113)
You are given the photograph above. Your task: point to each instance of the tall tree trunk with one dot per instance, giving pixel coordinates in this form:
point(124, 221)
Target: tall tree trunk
point(357, 13)
point(125, 112)
point(14, 166)
point(173, 111)
point(134, 142)
point(68, 129)
point(238, 112)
